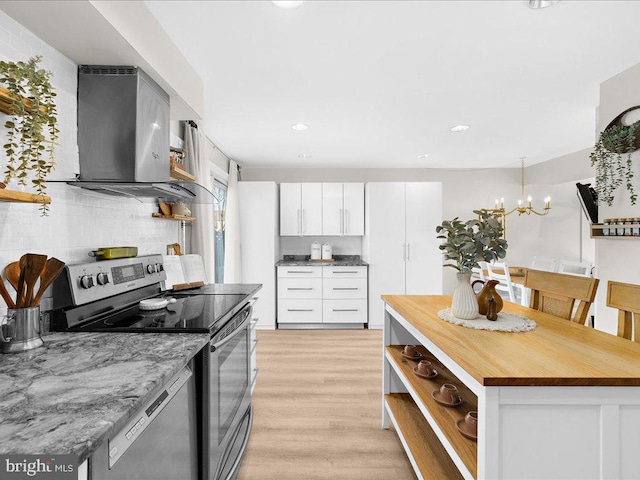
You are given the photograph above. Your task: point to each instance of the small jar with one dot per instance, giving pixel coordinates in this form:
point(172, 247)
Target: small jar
point(635, 227)
point(605, 230)
point(620, 227)
point(627, 227)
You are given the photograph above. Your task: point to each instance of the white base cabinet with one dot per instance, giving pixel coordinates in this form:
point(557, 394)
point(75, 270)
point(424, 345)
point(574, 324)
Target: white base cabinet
point(322, 297)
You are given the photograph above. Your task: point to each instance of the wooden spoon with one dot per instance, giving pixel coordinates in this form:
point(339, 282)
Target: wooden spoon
point(177, 249)
point(12, 272)
point(5, 295)
point(32, 265)
point(51, 270)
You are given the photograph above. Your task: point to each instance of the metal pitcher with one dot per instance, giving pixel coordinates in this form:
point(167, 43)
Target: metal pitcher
point(20, 330)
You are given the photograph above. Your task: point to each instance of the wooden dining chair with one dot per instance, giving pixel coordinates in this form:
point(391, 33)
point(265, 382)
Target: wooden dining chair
point(557, 294)
point(626, 298)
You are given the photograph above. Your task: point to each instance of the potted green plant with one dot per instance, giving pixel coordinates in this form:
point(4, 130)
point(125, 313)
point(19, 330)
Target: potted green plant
point(611, 157)
point(467, 244)
point(32, 126)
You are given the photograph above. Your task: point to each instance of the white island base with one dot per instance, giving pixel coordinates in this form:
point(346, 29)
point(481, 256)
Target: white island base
point(524, 431)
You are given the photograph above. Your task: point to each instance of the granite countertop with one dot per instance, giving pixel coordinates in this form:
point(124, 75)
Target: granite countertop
point(71, 395)
point(339, 261)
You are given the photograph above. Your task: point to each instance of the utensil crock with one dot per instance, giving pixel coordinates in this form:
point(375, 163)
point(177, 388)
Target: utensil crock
point(20, 330)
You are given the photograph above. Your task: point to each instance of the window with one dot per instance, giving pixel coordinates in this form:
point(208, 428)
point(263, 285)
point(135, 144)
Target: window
point(219, 206)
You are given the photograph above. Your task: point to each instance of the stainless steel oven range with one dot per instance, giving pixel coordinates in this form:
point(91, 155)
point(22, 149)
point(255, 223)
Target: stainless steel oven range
point(213, 393)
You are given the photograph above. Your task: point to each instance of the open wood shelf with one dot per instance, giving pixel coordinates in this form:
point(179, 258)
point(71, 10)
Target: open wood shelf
point(444, 417)
point(597, 232)
point(179, 218)
point(6, 102)
point(179, 174)
point(22, 197)
point(424, 449)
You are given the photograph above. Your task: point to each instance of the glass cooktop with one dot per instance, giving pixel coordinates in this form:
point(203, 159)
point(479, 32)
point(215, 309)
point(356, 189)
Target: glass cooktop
point(196, 313)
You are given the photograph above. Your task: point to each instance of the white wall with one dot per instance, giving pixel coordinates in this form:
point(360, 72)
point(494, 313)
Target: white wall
point(558, 234)
point(617, 260)
point(79, 220)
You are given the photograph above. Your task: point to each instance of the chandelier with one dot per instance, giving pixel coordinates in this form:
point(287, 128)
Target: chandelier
point(522, 208)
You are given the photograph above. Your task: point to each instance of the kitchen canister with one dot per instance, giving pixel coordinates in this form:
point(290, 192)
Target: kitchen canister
point(326, 252)
point(316, 251)
point(20, 330)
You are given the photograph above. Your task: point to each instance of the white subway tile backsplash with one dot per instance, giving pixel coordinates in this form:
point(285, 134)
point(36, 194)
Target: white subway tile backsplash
point(79, 220)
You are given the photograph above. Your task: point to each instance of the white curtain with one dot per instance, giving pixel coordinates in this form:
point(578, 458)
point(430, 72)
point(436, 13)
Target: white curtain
point(232, 266)
point(202, 241)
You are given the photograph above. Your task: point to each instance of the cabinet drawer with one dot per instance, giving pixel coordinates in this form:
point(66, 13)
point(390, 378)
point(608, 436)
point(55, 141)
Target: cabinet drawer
point(300, 311)
point(299, 288)
point(336, 288)
point(299, 272)
point(343, 272)
point(344, 311)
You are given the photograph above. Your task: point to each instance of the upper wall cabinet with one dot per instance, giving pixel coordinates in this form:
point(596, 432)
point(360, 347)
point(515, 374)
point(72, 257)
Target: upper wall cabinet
point(300, 209)
point(343, 209)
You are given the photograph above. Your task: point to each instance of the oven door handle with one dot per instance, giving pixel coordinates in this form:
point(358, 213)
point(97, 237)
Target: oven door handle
point(247, 318)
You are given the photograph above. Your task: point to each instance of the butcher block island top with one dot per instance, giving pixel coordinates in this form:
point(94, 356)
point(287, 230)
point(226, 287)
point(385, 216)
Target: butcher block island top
point(557, 353)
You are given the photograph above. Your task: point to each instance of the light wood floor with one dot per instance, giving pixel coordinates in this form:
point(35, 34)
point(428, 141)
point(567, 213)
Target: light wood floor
point(317, 409)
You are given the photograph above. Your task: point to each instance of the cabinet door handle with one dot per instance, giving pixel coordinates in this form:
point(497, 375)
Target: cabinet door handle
point(299, 271)
point(345, 309)
point(341, 221)
point(299, 288)
point(404, 252)
point(299, 310)
point(343, 271)
point(299, 222)
point(302, 221)
point(346, 220)
point(408, 252)
point(346, 288)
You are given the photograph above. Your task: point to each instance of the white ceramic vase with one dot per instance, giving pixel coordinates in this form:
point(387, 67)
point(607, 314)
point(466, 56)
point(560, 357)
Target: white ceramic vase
point(464, 303)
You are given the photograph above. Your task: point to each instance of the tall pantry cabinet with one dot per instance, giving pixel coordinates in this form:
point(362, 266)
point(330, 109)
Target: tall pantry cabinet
point(400, 241)
point(260, 245)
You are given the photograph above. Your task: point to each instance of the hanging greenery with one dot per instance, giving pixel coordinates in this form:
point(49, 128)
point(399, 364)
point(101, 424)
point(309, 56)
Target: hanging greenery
point(612, 159)
point(32, 127)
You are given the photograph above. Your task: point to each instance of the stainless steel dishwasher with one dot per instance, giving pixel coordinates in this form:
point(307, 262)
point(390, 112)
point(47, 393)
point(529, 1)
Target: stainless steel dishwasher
point(159, 442)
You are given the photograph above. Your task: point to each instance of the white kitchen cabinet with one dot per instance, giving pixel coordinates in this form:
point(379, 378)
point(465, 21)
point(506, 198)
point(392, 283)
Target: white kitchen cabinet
point(300, 209)
point(260, 245)
point(400, 241)
point(322, 297)
point(343, 209)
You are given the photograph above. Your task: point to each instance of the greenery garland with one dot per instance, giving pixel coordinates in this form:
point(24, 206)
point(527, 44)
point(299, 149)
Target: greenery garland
point(611, 156)
point(32, 126)
point(473, 241)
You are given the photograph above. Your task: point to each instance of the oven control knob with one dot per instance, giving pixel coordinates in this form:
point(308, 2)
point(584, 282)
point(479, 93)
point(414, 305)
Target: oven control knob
point(151, 268)
point(102, 279)
point(86, 281)
point(159, 267)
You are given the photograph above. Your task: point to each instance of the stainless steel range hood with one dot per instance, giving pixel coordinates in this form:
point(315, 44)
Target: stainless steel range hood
point(123, 137)
point(167, 192)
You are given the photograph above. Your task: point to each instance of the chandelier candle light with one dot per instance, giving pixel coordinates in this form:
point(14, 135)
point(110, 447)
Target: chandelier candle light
point(527, 209)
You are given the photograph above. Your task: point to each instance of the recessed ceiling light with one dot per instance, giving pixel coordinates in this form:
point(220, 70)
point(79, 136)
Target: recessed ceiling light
point(460, 128)
point(423, 155)
point(300, 127)
point(537, 4)
point(287, 3)
point(304, 155)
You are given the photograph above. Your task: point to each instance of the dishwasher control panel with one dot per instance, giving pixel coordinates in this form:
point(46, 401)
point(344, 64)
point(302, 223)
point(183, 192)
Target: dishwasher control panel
point(121, 441)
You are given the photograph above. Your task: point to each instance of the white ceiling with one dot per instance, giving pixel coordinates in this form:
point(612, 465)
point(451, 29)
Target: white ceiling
point(380, 82)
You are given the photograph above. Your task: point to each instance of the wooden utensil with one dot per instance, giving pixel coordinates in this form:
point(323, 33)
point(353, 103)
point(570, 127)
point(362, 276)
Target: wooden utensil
point(176, 248)
point(5, 295)
point(51, 270)
point(12, 272)
point(32, 265)
point(165, 208)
